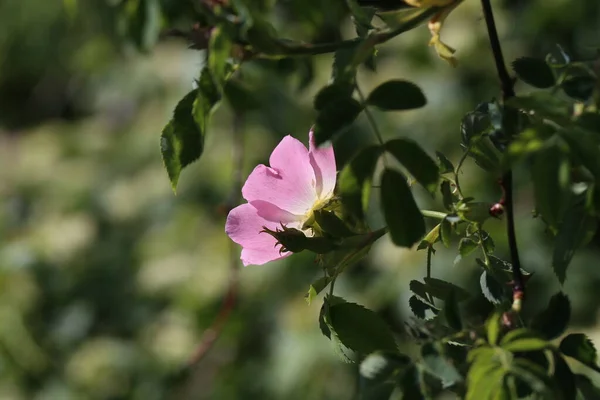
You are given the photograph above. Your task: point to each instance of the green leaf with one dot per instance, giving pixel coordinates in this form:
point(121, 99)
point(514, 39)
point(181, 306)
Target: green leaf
point(331, 93)
point(473, 125)
point(543, 105)
point(441, 289)
point(485, 154)
point(219, 51)
point(551, 181)
point(335, 117)
point(402, 215)
point(397, 95)
point(445, 166)
point(553, 321)
point(419, 307)
point(354, 181)
point(431, 238)
point(316, 287)
point(564, 380)
point(466, 246)
point(492, 290)
point(452, 312)
point(446, 232)
point(581, 348)
point(182, 140)
point(586, 388)
point(534, 72)
point(377, 373)
point(493, 327)
point(416, 161)
point(410, 384)
point(577, 227)
point(522, 340)
point(361, 16)
point(436, 363)
point(332, 225)
point(447, 196)
point(579, 83)
point(360, 329)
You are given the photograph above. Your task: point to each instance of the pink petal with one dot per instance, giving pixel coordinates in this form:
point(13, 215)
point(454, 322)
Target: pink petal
point(271, 212)
point(290, 182)
point(243, 226)
point(260, 257)
point(322, 160)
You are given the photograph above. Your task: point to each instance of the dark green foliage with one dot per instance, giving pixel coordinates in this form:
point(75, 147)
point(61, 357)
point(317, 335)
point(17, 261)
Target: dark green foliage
point(581, 348)
point(553, 321)
point(416, 161)
point(534, 72)
point(397, 95)
point(402, 215)
point(354, 182)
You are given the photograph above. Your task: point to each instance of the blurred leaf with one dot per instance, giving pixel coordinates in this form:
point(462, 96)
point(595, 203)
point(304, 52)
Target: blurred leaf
point(444, 165)
point(416, 161)
point(219, 51)
point(316, 287)
point(436, 363)
point(586, 388)
point(355, 179)
point(557, 58)
point(446, 232)
point(466, 246)
point(397, 95)
point(331, 93)
point(581, 348)
point(361, 17)
point(431, 238)
point(551, 181)
point(543, 105)
point(577, 227)
point(331, 224)
point(579, 83)
point(485, 154)
point(493, 328)
point(534, 72)
point(360, 329)
point(452, 312)
point(402, 215)
point(377, 372)
point(447, 196)
point(263, 36)
point(418, 288)
point(473, 125)
point(553, 321)
point(335, 117)
point(441, 289)
point(522, 340)
point(564, 380)
point(410, 384)
point(419, 306)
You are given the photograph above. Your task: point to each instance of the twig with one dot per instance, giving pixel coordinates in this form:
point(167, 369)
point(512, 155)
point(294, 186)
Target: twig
point(369, 115)
point(287, 48)
point(507, 87)
point(212, 333)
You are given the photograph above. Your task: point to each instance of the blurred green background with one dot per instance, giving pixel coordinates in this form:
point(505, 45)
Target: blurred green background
point(108, 280)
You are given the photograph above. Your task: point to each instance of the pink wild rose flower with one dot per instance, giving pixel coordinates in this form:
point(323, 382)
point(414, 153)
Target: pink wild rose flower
point(297, 182)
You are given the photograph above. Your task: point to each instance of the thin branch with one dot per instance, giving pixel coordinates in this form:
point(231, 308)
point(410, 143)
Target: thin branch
point(212, 333)
point(370, 116)
point(288, 48)
point(507, 86)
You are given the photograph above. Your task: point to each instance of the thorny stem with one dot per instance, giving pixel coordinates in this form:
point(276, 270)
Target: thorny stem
point(507, 87)
point(429, 252)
